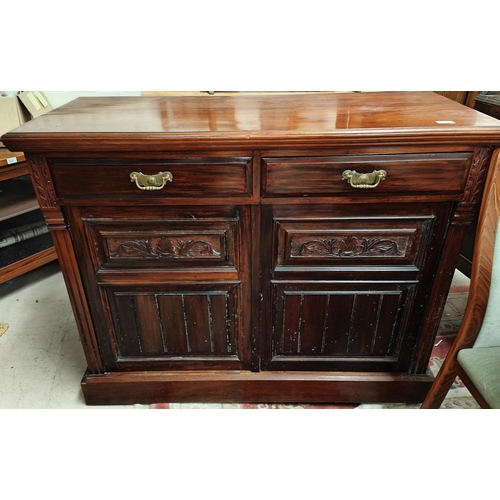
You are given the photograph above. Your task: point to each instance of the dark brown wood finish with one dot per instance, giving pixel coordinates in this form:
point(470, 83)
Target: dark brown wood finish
point(258, 273)
point(213, 123)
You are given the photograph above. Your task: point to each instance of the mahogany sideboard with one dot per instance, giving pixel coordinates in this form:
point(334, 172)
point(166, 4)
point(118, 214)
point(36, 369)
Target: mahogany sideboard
point(258, 248)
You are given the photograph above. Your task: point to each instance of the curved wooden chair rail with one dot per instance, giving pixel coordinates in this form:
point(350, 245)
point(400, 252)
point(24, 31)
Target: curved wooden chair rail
point(479, 293)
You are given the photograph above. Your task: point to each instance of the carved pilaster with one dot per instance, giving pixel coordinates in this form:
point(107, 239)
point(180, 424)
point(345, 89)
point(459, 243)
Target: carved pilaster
point(44, 189)
point(477, 176)
point(464, 214)
point(42, 181)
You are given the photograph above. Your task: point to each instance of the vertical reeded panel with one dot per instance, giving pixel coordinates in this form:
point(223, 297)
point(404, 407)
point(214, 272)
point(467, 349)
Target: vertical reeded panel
point(172, 316)
point(198, 323)
point(338, 323)
point(220, 323)
point(313, 322)
point(364, 323)
point(338, 314)
point(126, 324)
point(384, 340)
point(148, 324)
point(292, 311)
point(175, 324)
point(331, 326)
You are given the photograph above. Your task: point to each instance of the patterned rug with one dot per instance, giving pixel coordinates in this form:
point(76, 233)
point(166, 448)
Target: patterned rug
point(458, 397)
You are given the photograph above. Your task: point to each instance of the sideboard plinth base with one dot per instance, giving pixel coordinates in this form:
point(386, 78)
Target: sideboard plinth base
point(249, 387)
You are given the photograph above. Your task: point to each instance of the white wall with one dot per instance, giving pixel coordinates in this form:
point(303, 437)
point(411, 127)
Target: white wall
point(58, 98)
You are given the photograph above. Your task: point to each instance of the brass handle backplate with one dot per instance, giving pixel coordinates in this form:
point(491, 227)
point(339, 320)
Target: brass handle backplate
point(151, 182)
point(364, 181)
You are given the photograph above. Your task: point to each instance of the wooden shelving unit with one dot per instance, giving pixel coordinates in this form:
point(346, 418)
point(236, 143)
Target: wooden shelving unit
point(19, 209)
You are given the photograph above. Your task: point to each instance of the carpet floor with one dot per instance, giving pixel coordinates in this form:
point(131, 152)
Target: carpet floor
point(458, 397)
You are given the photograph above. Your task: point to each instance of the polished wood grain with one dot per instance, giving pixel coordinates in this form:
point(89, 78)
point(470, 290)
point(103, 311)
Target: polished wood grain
point(405, 173)
point(203, 177)
point(124, 123)
point(478, 291)
point(258, 273)
point(250, 387)
point(463, 97)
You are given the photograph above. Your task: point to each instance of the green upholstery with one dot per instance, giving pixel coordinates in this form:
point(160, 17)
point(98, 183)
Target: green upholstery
point(482, 365)
point(489, 335)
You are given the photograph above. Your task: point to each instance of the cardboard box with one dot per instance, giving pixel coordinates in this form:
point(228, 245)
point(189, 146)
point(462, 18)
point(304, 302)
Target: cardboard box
point(35, 102)
point(18, 109)
point(12, 114)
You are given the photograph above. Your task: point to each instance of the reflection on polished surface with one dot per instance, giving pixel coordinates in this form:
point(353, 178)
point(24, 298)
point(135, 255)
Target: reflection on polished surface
point(253, 114)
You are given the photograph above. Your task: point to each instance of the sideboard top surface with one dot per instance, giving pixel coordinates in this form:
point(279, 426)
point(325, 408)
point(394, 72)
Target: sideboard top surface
point(257, 120)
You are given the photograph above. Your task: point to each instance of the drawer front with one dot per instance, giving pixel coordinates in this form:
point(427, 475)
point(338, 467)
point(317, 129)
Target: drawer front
point(169, 245)
point(201, 177)
point(355, 241)
point(163, 239)
point(325, 239)
point(441, 173)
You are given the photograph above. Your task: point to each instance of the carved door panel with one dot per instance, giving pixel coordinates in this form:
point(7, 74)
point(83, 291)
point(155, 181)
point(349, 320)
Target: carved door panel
point(170, 286)
point(347, 292)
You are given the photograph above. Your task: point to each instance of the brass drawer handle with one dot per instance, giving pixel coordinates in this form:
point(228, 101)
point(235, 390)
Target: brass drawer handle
point(364, 181)
point(151, 182)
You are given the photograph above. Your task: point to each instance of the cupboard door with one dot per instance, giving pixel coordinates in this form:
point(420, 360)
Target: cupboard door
point(169, 288)
point(347, 291)
point(340, 326)
point(175, 326)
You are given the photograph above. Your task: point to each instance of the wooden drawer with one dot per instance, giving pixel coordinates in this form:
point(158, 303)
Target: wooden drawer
point(440, 173)
point(326, 240)
point(196, 177)
point(340, 242)
point(169, 245)
point(180, 238)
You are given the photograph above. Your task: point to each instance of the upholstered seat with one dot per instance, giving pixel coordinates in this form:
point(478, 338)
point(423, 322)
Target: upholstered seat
point(475, 353)
point(482, 366)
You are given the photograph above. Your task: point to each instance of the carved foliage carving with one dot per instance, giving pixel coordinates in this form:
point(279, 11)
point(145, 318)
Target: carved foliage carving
point(349, 246)
point(42, 181)
point(164, 248)
point(477, 176)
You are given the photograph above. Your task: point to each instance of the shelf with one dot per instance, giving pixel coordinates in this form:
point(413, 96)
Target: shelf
point(9, 170)
point(16, 198)
point(19, 206)
point(27, 264)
